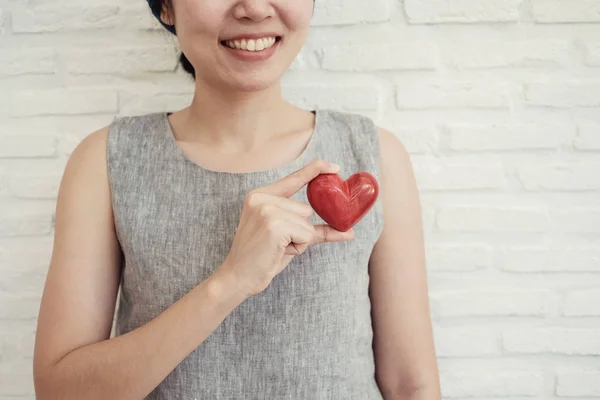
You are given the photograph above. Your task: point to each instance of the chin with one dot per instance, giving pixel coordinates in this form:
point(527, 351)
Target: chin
point(252, 85)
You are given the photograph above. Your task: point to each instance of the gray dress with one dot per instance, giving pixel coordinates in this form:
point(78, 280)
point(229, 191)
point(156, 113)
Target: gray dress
point(309, 334)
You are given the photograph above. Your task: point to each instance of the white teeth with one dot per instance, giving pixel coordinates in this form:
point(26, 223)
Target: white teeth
point(260, 45)
point(251, 44)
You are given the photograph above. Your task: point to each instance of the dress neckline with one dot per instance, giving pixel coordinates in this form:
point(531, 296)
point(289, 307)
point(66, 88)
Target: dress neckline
point(297, 163)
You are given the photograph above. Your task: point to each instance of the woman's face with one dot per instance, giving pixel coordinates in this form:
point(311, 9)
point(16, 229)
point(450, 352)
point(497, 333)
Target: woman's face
point(203, 25)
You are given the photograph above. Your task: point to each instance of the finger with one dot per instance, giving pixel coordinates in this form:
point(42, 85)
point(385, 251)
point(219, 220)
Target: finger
point(300, 235)
point(298, 231)
point(292, 183)
point(325, 233)
point(296, 228)
point(289, 205)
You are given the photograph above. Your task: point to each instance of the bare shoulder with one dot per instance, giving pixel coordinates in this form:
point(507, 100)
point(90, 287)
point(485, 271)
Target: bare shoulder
point(394, 156)
point(88, 160)
point(92, 149)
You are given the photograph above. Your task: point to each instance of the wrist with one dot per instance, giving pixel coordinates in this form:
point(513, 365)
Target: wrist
point(224, 289)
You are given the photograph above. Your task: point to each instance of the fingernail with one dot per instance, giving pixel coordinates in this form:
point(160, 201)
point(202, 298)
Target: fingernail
point(334, 167)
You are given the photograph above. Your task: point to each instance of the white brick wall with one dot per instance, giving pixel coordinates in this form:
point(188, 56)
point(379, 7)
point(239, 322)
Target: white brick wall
point(498, 101)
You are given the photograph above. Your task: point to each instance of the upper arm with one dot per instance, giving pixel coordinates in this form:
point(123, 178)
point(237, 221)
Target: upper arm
point(79, 296)
point(403, 338)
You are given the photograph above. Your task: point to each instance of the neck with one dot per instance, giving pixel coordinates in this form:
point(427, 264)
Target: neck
point(234, 119)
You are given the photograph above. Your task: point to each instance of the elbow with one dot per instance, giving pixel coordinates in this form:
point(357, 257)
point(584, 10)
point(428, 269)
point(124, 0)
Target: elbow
point(402, 389)
point(49, 382)
point(60, 381)
point(42, 383)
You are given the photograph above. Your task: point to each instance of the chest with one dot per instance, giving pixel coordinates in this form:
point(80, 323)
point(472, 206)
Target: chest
point(174, 240)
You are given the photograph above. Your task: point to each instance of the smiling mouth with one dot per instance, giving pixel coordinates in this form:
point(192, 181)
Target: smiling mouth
point(252, 45)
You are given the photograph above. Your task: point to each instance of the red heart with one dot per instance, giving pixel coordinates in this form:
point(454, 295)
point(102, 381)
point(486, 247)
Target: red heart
point(342, 203)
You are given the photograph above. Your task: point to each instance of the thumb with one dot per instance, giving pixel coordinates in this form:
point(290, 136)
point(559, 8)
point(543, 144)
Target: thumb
point(325, 233)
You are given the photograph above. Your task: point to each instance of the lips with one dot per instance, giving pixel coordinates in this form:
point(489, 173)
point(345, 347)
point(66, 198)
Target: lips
point(255, 36)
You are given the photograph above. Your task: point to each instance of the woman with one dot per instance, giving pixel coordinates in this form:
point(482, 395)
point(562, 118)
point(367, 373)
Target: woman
point(232, 288)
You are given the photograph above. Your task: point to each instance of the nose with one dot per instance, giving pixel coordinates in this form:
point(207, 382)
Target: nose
point(255, 10)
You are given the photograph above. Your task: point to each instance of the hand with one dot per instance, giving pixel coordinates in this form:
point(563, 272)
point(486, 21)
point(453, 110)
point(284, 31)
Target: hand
point(274, 228)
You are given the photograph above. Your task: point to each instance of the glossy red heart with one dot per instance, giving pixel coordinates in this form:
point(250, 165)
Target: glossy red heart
point(342, 204)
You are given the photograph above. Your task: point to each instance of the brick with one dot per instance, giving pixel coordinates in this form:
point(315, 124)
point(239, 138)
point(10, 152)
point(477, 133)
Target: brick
point(337, 12)
point(570, 341)
point(17, 339)
point(26, 345)
point(563, 177)
point(3, 183)
point(592, 54)
point(25, 219)
point(9, 343)
point(379, 57)
point(486, 383)
point(588, 137)
point(64, 102)
point(459, 257)
point(53, 18)
point(344, 96)
point(583, 383)
point(23, 306)
point(428, 217)
point(582, 303)
point(450, 95)
point(505, 303)
point(35, 186)
point(3, 16)
point(69, 130)
point(556, 11)
point(464, 11)
point(511, 54)
point(32, 397)
point(141, 103)
point(16, 346)
point(416, 139)
point(20, 61)
point(16, 282)
point(119, 60)
point(566, 94)
point(555, 259)
point(306, 59)
point(87, 17)
point(137, 16)
point(507, 137)
point(439, 177)
point(492, 219)
point(27, 255)
point(29, 126)
point(66, 132)
point(27, 146)
point(16, 378)
point(4, 103)
point(466, 342)
point(577, 220)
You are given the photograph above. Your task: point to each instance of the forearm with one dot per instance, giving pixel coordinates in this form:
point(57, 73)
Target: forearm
point(424, 392)
point(420, 394)
point(132, 365)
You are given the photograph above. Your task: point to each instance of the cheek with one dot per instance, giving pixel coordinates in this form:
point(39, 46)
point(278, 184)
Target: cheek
point(199, 17)
point(296, 15)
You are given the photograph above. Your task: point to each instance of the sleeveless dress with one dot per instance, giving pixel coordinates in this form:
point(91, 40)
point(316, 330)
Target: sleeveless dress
point(309, 334)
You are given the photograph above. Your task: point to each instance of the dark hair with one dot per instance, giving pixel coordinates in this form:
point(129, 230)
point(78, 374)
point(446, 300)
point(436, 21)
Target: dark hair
point(157, 7)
